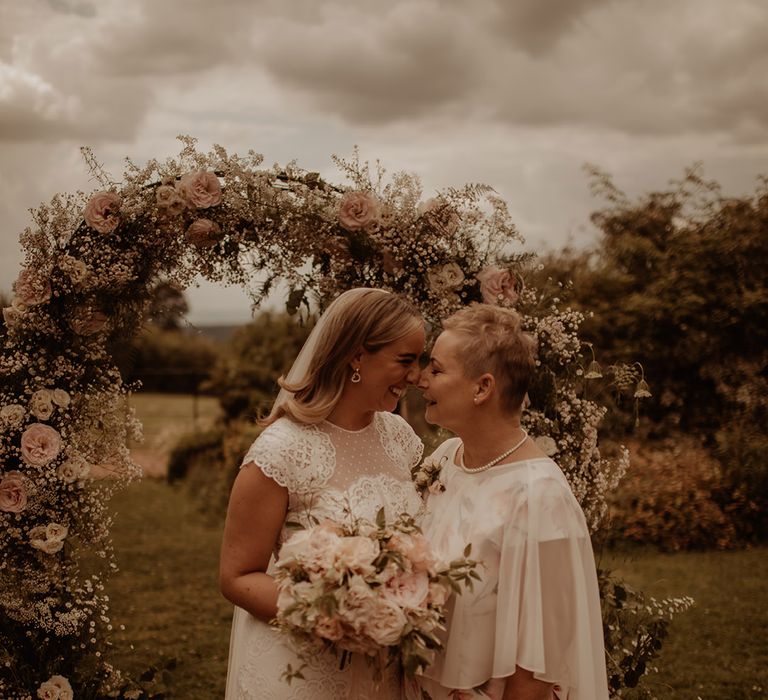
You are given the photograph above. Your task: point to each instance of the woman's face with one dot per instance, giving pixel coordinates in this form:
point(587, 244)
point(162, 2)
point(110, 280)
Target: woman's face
point(448, 393)
point(386, 374)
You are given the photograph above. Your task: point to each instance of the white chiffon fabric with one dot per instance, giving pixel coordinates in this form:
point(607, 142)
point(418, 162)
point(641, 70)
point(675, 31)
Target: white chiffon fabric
point(332, 473)
point(538, 604)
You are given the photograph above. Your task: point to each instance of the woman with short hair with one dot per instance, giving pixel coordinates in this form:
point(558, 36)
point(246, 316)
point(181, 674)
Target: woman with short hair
point(331, 448)
point(531, 629)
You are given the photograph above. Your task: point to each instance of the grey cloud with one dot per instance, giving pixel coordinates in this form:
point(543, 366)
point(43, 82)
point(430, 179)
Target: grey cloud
point(376, 69)
point(177, 38)
point(72, 7)
point(535, 26)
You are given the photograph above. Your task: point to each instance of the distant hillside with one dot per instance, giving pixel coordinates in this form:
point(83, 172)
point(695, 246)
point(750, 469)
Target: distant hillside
point(221, 333)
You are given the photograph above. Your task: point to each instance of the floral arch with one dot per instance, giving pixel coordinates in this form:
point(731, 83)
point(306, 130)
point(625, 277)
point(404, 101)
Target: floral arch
point(85, 282)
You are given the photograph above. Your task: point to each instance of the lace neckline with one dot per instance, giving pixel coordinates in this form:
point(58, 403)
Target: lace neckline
point(350, 432)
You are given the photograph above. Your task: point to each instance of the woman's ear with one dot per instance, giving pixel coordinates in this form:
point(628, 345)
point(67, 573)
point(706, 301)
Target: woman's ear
point(484, 388)
point(357, 358)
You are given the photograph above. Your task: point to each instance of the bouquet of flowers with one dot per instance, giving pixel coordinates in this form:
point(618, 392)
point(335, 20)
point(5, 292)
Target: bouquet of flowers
point(375, 589)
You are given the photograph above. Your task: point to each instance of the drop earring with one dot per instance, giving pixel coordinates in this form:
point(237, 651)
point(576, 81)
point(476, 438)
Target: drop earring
point(355, 378)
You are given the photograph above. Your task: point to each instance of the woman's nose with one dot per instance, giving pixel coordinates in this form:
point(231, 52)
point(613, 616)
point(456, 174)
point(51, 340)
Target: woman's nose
point(421, 380)
point(413, 376)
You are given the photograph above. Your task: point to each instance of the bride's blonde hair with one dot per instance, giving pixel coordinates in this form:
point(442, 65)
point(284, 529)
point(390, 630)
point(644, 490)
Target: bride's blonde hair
point(358, 318)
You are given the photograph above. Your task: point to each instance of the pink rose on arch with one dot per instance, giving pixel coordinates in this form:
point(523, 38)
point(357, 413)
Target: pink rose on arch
point(30, 289)
point(498, 286)
point(40, 444)
point(13, 493)
point(41, 404)
point(13, 415)
point(203, 233)
point(65, 689)
point(11, 316)
point(358, 210)
point(101, 212)
point(169, 200)
point(88, 322)
point(201, 189)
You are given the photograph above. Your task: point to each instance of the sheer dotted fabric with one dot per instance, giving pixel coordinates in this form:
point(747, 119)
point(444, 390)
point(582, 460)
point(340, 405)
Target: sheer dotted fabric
point(329, 472)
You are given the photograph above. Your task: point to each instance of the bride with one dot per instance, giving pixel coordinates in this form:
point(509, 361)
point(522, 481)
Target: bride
point(331, 445)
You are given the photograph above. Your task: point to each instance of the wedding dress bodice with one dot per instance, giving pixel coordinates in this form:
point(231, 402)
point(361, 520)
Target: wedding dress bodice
point(335, 473)
point(330, 473)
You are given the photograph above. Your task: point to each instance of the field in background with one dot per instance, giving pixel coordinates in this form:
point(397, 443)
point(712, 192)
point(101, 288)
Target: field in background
point(165, 418)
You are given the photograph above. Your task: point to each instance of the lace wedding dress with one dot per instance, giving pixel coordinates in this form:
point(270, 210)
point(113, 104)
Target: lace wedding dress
point(328, 472)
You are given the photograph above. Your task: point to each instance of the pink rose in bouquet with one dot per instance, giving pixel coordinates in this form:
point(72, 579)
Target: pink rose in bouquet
point(101, 212)
point(40, 444)
point(407, 590)
point(386, 623)
point(358, 210)
point(201, 189)
point(498, 286)
point(13, 492)
point(30, 289)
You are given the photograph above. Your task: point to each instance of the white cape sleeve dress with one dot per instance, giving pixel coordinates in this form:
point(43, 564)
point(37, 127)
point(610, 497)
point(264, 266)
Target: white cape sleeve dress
point(538, 604)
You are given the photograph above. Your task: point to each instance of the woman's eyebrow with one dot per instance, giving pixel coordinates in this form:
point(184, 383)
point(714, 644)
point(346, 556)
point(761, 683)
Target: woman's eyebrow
point(407, 356)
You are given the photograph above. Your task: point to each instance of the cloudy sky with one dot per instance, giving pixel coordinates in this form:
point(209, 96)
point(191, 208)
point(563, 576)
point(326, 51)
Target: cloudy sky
point(515, 93)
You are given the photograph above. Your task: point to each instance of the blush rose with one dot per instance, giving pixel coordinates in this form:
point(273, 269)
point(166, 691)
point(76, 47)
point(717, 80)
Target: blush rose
point(203, 233)
point(101, 212)
point(358, 210)
point(201, 189)
point(40, 444)
point(30, 290)
point(497, 285)
point(13, 493)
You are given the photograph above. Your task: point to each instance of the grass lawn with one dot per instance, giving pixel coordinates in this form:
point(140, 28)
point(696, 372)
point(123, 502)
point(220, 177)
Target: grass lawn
point(718, 649)
point(166, 592)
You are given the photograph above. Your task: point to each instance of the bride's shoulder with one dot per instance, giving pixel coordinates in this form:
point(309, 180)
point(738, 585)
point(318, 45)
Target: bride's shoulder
point(394, 422)
point(284, 427)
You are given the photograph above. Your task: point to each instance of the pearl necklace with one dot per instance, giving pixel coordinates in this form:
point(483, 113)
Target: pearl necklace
point(493, 462)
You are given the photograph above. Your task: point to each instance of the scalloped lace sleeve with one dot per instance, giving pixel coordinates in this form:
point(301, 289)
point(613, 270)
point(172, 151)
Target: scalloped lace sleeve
point(300, 458)
point(399, 441)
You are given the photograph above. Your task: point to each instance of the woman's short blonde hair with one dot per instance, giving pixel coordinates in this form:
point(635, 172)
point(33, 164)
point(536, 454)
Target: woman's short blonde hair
point(495, 343)
point(358, 319)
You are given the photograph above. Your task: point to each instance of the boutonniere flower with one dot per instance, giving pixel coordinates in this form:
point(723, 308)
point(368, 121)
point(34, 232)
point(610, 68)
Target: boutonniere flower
point(426, 476)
